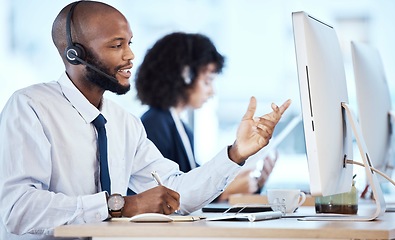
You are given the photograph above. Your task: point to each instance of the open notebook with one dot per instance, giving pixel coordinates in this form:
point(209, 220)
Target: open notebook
point(238, 208)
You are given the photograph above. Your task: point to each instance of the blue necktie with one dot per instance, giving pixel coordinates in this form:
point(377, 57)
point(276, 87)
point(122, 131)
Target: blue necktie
point(105, 181)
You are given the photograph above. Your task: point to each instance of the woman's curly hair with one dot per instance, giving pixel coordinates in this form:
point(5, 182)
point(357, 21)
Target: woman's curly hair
point(159, 79)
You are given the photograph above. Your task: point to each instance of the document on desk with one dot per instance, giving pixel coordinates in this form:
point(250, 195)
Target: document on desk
point(252, 217)
point(158, 217)
point(237, 208)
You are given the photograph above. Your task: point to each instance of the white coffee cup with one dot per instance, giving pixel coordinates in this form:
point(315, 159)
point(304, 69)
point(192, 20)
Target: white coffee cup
point(291, 198)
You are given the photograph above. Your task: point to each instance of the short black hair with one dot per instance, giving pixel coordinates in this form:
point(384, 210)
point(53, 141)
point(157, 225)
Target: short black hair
point(159, 81)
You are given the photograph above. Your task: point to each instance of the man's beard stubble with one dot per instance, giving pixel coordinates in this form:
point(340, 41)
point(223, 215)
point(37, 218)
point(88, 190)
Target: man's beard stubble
point(100, 79)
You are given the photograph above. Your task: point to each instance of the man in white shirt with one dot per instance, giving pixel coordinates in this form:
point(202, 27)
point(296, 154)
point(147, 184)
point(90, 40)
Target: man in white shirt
point(49, 174)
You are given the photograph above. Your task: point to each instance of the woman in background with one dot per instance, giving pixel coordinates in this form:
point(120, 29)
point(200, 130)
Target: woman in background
point(177, 74)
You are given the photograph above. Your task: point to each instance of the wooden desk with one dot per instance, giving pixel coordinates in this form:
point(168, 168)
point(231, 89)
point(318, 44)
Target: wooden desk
point(285, 228)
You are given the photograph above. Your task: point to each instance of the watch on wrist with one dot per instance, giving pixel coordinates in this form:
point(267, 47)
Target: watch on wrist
point(115, 203)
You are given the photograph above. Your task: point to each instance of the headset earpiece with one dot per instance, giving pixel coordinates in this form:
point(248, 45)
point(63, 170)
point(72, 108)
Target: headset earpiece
point(76, 50)
point(186, 75)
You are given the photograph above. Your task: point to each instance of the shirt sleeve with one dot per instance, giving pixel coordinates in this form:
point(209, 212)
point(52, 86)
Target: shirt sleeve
point(197, 187)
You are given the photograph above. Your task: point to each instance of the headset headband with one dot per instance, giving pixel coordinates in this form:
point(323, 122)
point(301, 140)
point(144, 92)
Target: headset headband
point(68, 24)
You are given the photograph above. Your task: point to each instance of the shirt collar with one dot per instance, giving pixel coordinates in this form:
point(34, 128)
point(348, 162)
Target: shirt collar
point(87, 111)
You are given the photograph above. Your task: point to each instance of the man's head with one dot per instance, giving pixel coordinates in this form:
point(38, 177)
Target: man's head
point(104, 34)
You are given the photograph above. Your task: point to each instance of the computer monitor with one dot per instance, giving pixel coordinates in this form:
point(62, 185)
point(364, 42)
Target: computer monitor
point(374, 105)
point(323, 89)
point(329, 123)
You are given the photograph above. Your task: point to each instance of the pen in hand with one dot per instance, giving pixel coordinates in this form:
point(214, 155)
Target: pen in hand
point(156, 178)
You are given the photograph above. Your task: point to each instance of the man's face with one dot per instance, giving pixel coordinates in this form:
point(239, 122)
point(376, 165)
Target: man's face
point(108, 49)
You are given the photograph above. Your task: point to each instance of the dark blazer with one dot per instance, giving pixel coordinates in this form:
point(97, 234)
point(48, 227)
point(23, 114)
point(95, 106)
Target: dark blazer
point(162, 131)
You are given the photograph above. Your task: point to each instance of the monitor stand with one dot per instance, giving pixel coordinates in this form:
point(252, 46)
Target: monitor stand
point(371, 177)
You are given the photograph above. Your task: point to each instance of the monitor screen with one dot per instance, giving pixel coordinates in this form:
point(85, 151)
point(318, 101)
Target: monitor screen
point(323, 89)
point(374, 105)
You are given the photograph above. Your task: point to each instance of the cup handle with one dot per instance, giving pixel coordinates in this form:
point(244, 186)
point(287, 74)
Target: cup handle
point(303, 198)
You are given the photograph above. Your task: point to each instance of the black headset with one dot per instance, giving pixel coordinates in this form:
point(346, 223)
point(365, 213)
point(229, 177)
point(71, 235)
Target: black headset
point(73, 51)
point(191, 73)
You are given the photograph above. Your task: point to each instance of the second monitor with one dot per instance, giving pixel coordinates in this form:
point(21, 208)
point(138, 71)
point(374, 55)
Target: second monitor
point(374, 105)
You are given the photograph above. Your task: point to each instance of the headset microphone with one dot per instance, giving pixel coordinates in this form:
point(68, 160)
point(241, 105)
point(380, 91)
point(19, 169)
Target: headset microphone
point(75, 52)
point(113, 79)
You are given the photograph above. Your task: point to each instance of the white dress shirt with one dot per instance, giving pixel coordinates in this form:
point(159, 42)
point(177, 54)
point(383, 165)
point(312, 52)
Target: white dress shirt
point(49, 164)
